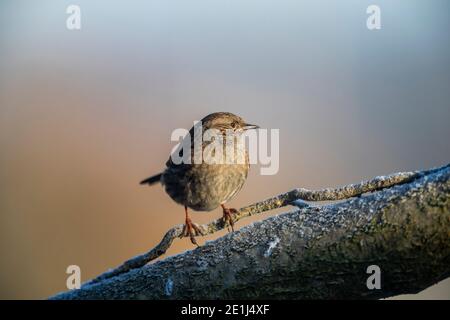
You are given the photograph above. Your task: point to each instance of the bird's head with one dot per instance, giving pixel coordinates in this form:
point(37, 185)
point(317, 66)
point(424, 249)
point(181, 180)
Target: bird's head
point(226, 121)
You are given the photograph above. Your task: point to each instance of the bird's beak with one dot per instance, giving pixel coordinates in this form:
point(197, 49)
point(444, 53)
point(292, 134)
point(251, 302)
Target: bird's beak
point(248, 126)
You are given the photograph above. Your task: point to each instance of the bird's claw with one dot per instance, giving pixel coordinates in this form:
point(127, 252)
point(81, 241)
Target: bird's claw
point(228, 217)
point(191, 230)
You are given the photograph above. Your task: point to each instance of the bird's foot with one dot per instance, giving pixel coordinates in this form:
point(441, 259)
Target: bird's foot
point(228, 214)
point(191, 230)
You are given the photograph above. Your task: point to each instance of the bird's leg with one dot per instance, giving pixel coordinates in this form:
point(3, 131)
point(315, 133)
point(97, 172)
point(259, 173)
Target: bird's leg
point(190, 229)
point(228, 215)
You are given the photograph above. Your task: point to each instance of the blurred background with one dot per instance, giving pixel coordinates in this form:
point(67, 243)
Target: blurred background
point(86, 114)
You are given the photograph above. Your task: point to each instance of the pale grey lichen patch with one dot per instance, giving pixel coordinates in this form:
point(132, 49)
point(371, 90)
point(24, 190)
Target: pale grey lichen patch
point(168, 288)
point(272, 246)
point(202, 264)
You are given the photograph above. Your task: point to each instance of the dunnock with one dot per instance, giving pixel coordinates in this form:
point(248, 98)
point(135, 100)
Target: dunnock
point(205, 186)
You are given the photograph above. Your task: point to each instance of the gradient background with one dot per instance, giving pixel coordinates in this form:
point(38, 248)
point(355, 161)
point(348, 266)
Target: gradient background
point(85, 115)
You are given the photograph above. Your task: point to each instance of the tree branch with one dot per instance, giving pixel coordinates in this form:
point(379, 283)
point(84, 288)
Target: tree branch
point(403, 227)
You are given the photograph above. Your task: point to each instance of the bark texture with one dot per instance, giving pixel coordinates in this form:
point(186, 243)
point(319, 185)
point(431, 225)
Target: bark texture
point(310, 252)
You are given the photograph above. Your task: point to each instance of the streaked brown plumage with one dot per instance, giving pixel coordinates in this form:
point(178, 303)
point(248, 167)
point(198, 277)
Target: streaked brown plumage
point(203, 186)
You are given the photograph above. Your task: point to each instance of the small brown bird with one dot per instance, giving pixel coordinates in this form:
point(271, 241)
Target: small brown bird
point(205, 186)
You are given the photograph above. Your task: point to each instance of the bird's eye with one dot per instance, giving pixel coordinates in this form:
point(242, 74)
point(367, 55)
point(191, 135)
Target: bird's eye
point(234, 125)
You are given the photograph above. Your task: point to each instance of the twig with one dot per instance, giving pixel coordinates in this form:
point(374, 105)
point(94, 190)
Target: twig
point(293, 197)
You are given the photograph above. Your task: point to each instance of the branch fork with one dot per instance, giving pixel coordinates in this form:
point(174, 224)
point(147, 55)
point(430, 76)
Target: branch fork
point(296, 197)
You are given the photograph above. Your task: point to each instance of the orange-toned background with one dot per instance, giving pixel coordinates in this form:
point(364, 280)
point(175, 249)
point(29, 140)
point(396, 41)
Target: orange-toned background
point(85, 115)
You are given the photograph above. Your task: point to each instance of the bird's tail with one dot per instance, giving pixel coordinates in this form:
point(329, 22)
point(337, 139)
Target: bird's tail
point(152, 180)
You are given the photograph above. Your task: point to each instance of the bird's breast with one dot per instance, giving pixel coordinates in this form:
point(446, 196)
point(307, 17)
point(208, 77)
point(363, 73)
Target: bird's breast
point(203, 187)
